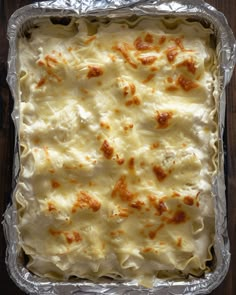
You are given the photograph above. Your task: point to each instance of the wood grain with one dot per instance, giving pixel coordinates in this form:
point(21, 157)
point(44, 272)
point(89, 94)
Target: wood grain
point(228, 7)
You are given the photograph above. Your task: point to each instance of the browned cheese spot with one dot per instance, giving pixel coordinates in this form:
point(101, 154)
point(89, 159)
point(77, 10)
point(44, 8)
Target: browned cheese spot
point(146, 250)
point(178, 217)
point(171, 53)
point(133, 101)
point(159, 172)
point(148, 60)
point(153, 233)
point(107, 149)
point(51, 73)
point(123, 49)
point(131, 163)
point(105, 125)
point(159, 205)
point(140, 45)
point(36, 140)
point(148, 38)
point(116, 233)
point(171, 88)
point(189, 64)
point(41, 82)
point(119, 161)
point(112, 57)
point(128, 127)
point(121, 190)
point(49, 59)
point(162, 40)
point(185, 83)
point(132, 88)
point(94, 71)
point(137, 205)
point(123, 212)
point(175, 194)
point(149, 78)
point(178, 42)
point(72, 180)
point(55, 184)
point(41, 63)
point(77, 236)
point(70, 236)
point(154, 69)
point(51, 207)
point(154, 145)
point(84, 200)
point(188, 201)
point(55, 232)
point(125, 90)
point(179, 242)
point(163, 119)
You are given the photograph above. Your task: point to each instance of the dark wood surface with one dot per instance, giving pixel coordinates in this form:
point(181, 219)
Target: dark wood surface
point(7, 287)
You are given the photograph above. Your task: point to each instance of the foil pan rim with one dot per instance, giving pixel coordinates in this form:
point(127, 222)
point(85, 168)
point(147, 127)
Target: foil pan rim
point(227, 55)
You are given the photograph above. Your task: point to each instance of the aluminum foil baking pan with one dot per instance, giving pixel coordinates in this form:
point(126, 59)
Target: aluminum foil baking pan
point(226, 54)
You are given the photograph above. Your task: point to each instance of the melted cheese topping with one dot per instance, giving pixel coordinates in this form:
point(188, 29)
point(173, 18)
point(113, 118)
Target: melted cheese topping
point(117, 139)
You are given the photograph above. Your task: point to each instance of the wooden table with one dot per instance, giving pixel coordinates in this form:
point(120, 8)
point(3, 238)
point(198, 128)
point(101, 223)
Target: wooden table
point(228, 7)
